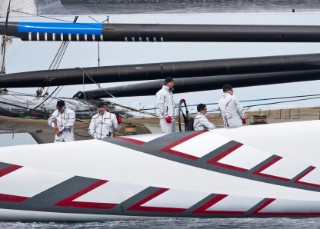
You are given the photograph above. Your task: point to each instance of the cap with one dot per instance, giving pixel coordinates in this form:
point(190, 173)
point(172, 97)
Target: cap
point(101, 104)
point(60, 104)
point(167, 80)
point(201, 107)
point(226, 87)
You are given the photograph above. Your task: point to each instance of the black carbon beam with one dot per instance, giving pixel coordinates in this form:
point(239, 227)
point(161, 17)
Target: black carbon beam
point(202, 83)
point(64, 31)
point(304, 67)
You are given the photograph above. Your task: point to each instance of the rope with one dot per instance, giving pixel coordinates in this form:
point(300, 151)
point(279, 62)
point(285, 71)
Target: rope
point(130, 108)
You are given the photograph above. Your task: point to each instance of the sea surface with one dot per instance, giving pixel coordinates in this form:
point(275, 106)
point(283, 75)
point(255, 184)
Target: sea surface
point(171, 223)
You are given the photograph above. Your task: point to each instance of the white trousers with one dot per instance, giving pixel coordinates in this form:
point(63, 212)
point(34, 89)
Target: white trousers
point(168, 127)
point(66, 136)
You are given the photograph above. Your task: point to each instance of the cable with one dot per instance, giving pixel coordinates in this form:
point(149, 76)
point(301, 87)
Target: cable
point(112, 95)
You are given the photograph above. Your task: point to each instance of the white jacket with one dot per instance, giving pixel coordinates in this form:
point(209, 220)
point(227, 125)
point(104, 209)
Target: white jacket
point(202, 123)
point(165, 102)
point(231, 111)
point(103, 125)
point(65, 120)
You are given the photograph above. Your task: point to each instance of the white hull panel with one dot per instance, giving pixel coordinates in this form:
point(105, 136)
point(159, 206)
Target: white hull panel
point(244, 172)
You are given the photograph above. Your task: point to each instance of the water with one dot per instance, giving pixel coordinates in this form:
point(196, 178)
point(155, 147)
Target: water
point(249, 223)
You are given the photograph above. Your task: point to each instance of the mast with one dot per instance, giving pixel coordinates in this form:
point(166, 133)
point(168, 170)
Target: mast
point(5, 39)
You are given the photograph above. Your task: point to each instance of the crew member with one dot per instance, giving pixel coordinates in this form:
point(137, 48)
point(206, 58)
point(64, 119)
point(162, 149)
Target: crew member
point(231, 110)
point(103, 123)
point(165, 106)
point(201, 122)
point(62, 121)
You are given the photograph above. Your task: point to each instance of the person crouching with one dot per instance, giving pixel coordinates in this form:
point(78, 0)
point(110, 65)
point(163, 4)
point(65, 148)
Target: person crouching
point(201, 122)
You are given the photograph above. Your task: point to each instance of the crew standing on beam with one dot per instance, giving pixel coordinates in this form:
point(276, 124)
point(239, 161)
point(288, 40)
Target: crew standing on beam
point(231, 110)
point(62, 121)
point(166, 107)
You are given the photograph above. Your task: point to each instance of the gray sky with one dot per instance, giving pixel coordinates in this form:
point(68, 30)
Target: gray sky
point(30, 56)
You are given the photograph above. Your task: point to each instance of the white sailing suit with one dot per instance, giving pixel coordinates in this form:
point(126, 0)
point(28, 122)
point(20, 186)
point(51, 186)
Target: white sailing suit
point(165, 107)
point(202, 123)
point(65, 122)
point(102, 125)
point(231, 111)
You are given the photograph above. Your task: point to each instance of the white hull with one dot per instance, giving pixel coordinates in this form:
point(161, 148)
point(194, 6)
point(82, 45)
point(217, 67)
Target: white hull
point(254, 171)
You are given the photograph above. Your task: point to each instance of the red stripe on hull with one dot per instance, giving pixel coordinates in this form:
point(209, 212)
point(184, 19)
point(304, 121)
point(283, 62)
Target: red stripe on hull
point(12, 198)
point(213, 201)
point(138, 207)
point(167, 149)
point(69, 201)
point(262, 206)
point(138, 142)
point(9, 169)
point(273, 161)
point(297, 180)
point(215, 160)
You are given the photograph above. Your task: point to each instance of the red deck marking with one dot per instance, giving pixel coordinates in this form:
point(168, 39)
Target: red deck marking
point(167, 149)
point(215, 160)
point(8, 197)
point(69, 201)
point(262, 206)
point(213, 201)
point(273, 161)
point(138, 142)
point(9, 169)
point(297, 180)
point(12, 198)
point(138, 207)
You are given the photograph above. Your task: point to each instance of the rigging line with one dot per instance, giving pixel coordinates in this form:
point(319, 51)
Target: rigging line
point(52, 18)
point(4, 40)
point(56, 94)
point(262, 104)
point(57, 60)
point(254, 100)
point(84, 73)
point(35, 15)
point(44, 99)
point(284, 97)
point(113, 96)
point(16, 52)
point(84, 95)
point(286, 101)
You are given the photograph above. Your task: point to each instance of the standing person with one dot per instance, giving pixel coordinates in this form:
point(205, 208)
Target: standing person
point(201, 122)
point(62, 121)
point(165, 106)
point(103, 123)
point(231, 109)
